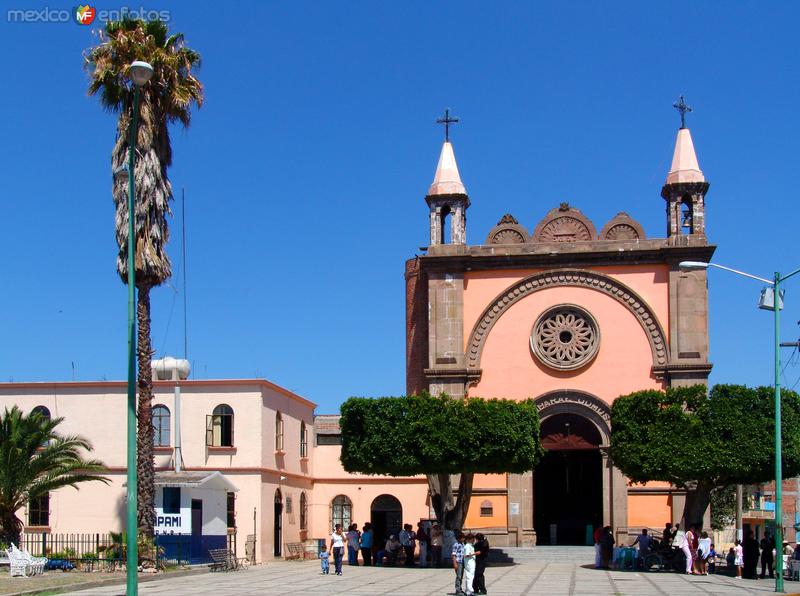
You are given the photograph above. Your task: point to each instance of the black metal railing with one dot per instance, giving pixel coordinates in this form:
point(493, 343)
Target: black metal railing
point(106, 551)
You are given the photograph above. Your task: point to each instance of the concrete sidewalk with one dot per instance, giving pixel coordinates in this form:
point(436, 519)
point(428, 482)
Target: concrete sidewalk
point(544, 577)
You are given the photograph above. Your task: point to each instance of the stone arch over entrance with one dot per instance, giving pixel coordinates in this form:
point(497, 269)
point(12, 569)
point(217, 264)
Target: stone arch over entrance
point(568, 277)
point(386, 517)
point(575, 486)
point(580, 403)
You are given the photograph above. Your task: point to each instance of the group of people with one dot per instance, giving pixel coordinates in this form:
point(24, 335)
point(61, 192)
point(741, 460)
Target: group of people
point(699, 552)
point(745, 555)
point(695, 544)
point(468, 553)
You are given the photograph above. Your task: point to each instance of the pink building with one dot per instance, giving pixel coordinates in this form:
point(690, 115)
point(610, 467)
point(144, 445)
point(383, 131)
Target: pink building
point(265, 440)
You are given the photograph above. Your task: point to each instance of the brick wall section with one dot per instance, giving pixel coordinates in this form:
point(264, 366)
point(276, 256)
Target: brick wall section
point(791, 502)
point(416, 327)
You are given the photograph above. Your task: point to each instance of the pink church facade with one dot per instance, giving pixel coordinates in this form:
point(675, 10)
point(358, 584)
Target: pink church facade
point(572, 318)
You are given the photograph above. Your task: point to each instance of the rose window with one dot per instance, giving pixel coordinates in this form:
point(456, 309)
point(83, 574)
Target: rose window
point(565, 337)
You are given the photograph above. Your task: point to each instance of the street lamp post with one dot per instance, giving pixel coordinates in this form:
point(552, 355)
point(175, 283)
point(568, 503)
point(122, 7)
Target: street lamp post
point(775, 282)
point(140, 73)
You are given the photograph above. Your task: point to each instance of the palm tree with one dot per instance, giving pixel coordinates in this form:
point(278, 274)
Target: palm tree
point(36, 460)
point(165, 99)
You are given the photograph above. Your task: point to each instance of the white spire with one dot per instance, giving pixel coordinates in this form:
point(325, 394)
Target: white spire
point(447, 180)
point(684, 161)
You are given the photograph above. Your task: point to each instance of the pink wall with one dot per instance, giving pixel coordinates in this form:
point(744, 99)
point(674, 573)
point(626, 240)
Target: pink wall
point(97, 411)
point(623, 361)
point(331, 480)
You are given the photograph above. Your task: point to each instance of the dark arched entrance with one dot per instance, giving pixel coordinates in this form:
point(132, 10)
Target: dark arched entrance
point(568, 481)
point(278, 524)
point(386, 516)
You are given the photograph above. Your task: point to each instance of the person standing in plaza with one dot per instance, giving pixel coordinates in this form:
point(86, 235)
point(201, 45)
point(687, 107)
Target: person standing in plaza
point(437, 539)
point(598, 558)
point(606, 547)
point(423, 539)
point(457, 556)
point(703, 553)
point(750, 548)
point(407, 542)
point(469, 564)
point(691, 540)
point(353, 544)
point(338, 540)
point(738, 558)
point(481, 559)
point(366, 544)
point(767, 555)
point(680, 542)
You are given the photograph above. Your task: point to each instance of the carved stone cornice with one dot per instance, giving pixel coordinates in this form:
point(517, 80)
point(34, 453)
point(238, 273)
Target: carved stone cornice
point(684, 188)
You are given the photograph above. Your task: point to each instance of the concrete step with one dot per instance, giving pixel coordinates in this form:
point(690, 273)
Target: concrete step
point(549, 554)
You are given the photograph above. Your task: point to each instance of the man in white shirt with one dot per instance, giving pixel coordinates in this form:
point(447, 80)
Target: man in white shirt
point(407, 542)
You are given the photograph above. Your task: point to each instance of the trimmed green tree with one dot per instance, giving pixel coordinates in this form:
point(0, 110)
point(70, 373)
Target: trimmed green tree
point(35, 460)
point(701, 441)
point(440, 437)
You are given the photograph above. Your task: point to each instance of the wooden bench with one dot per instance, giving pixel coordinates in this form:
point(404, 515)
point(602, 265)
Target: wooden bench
point(295, 551)
point(223, 559)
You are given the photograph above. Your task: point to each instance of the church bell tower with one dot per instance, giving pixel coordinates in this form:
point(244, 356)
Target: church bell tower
point(447, 197)
point(685, 189)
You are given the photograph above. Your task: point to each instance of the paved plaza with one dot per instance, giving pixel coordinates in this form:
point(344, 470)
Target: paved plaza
point(534, 577)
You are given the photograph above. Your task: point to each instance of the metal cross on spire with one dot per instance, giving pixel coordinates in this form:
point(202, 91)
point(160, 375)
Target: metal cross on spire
point(682, 107)
point(447, 121)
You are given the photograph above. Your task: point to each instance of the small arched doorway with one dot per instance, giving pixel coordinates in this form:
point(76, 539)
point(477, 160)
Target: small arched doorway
point(386, 516)
point(568, 481)
point(278, 523)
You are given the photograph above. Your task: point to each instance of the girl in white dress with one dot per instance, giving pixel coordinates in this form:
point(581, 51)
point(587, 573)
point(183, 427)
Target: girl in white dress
point(739, 560)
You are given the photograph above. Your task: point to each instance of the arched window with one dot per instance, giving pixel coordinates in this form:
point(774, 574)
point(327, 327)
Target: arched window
point(42, 411)
point(487, 509)
point(160, 426)
point(341, 511)
point(219, 427)
point(303, 510)
point(303, 440)
point(278, 432)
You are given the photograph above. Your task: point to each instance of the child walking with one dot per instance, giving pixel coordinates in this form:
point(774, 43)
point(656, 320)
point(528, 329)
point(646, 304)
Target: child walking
point(324, 560)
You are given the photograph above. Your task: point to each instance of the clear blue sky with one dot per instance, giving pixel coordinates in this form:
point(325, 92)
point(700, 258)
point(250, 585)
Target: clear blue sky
point(306, 169)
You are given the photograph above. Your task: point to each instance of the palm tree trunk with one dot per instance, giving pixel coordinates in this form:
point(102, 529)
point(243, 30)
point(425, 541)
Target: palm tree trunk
point(145, 463)
point(10, 527)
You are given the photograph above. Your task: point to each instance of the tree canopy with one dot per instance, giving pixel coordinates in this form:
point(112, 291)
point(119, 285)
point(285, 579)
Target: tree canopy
point(37, 460)
point(702, 440)
point(422, 434)
point(440, 437)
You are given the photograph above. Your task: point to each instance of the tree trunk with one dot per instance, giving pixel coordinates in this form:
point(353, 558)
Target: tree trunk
point(11, 527)
point(448, 514)
point(698, 497)
point(145, 463)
